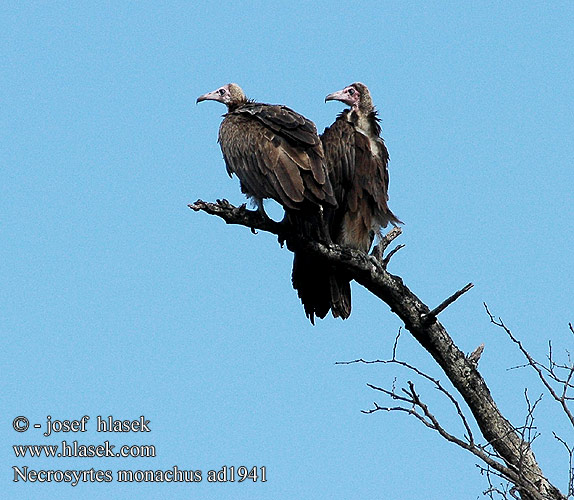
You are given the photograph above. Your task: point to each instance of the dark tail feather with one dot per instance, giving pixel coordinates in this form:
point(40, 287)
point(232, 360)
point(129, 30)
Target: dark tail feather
point(311, 280)
point(340, 296)
point(318, 286)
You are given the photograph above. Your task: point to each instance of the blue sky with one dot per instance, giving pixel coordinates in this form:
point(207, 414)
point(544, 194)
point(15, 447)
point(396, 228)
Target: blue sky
point(118, 300)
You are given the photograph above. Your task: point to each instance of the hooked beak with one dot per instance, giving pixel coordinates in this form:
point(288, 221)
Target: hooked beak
point(336, 96)
point(210, 96)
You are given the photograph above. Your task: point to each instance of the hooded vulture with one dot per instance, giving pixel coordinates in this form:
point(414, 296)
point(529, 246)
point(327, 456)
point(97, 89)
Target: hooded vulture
point(276, 153)
point(357, 159)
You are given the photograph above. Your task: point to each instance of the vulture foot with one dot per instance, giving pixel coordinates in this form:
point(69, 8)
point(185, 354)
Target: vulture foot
point(282, 237)
point(265, 219)
point(223, 203)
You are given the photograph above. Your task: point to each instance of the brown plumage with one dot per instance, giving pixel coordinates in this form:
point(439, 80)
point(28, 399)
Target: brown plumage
point(276, 153)
point(357, 159)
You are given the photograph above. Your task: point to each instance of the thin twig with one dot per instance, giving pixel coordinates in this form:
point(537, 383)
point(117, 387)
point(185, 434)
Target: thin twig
point(412, 399)
point(431, 316)
point(360, 360)
point(570, 450)
point(387, 259)
point(535, 365)
point(395, 345)
point(385, 241)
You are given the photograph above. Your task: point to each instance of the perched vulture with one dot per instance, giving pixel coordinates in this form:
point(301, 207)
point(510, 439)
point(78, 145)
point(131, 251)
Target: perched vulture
point(357, 160)
point(276, 153)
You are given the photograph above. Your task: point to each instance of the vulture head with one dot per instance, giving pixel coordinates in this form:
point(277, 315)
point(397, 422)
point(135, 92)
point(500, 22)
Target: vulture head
point(356, 95)
point(231, 95)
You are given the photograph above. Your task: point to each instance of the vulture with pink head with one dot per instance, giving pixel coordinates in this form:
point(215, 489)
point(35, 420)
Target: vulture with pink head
point(276, 153)
point(357, 161)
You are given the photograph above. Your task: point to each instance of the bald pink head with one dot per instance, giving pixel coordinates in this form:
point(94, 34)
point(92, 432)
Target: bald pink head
point(231, 95)
point(356, 95)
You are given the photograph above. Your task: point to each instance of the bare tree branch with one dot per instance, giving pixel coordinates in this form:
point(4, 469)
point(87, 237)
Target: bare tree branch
point(385, 241)
point(542, 370)
point(424, 375)
point(431, 316)
point(505, 490)
point(474, 357)
point(371, 273)
point(416, 407)
point(570, 450)
point(388, 258)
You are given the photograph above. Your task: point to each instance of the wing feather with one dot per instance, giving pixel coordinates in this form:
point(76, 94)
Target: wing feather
point(285, 122)
point(273, 150)
point(361, 180)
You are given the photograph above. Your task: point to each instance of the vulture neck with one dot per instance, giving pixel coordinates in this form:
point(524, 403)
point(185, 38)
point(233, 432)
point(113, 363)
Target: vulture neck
point(234, 105)
point(364, 119)
point(367, 123)
point(364, 106)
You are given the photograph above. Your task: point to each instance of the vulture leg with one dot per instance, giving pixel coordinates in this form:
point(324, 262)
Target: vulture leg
point(263, 213)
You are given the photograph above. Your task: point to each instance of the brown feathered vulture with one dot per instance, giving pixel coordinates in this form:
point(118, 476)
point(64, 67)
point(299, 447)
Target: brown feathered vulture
point(276, 153)
point(357, 159)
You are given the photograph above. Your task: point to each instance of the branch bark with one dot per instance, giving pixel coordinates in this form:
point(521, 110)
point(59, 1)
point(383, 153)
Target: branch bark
point(371, 273)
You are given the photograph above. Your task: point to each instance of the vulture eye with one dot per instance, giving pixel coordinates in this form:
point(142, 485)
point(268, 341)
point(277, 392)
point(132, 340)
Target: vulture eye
point(351, 91)
point(221, 91)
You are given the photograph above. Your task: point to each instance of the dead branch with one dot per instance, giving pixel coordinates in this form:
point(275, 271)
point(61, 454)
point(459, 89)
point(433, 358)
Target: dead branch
point(415, 407)
point(474, 357)
point(431, 316)
point(388, 258)
point(370, 273)
point(385, 241)
point(253, 219)
point(570, 451)
point(542, 371)
point(469, 437)
point(506, 490)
